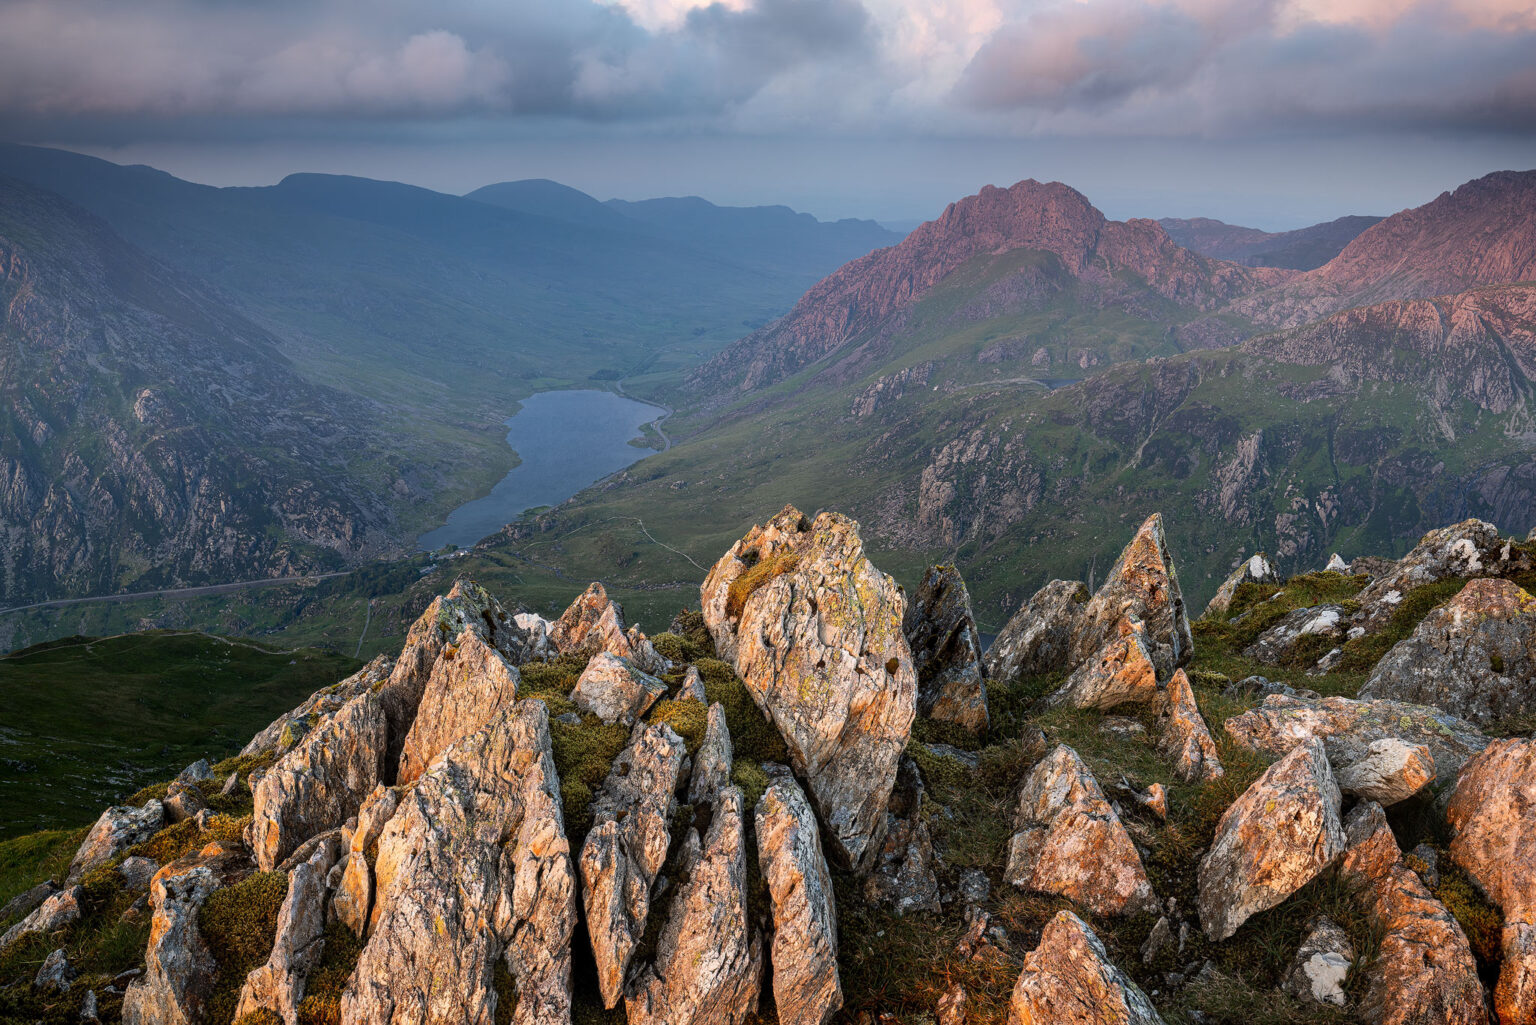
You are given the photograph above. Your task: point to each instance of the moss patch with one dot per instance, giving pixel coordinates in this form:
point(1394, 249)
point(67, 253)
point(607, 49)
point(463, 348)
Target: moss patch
point(583, 752)
point(239, 924)
point(328, 980)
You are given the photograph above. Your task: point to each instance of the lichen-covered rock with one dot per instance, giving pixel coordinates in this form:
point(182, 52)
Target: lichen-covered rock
point(595, 623)
point(1392, 770)
point(1141, 586)
point(1471, 548)
point(183, 801)
point(288, 729)
point(60, 909)
point(320, 783)
point(807, 989)
point(470, 682)
point(1278, 645)
point(1038, 638)
point(1424, 972)
point(1348, 728)
point(627, 848)
point(1336, 564)
point(946, 649)
point(616, 690)
point(137, 873)
point(1274, 839)
point(708, 968)
point(1255, 570)
point(118, 828)
point(1183, 737)
point(903, 876)
point(1069, 980)
point(56, 975)
point(1322, 964)
point(1493, 816)
point(474, 865)
point(712, 762)
point(818, 641)
point(179, 969)
point(1474, 657)
point(1120, 673)
point(1068, 840)
point(278, 985)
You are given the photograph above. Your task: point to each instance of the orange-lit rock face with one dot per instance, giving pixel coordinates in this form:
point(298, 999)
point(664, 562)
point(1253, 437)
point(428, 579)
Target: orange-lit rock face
point(1493, 813)
point(1185, 740)
point(1069, 980)
point(595, 623)
point(1120, 673)
point(1144, 586)
point(1424, 972)
point(1069, 841)
point(1274, 839)
point(470, 682)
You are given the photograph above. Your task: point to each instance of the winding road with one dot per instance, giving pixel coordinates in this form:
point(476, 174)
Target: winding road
point(176, 592)
point(666, 442)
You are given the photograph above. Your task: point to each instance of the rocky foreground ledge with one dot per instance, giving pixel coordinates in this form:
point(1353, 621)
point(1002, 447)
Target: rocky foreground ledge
point(817, 798)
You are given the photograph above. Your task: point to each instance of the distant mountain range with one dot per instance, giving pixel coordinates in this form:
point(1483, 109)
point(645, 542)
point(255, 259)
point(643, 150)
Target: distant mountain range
point(1303, 249)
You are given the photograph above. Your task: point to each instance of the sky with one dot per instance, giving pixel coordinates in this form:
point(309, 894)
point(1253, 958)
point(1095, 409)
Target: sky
point(1273, 113)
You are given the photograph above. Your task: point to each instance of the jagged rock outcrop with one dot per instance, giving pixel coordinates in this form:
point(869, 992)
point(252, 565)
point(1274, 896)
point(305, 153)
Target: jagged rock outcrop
point(353, 899)
point(1183, 737)
point(616, 690)
point(806, 986)
point(1068, 840)
point(712, 762)
point(1141, 586)
point(55, 912)
point(1278, 645)
point(626, 848)
point(1391, 771)
point(1274, 839)
point(1493, 816)
point(595, 623)
point(320, 783)
point(692, 686)
point(287, 730)
point(1474, 657)
point(1424, 972)
point(470, 682)
point(1038, 638)
point(278, 985)
point(118, 828)
point(1470, 548)
point(903, 876)
point(1348, 728)
point(1069, 980)
point(708, 968)
point(1322, 964)
point(1120, 673)
point(946, 649)
point(183, 801)
point(816, 633)
point(474, 865)
point(1255, 569)
point(179, 969)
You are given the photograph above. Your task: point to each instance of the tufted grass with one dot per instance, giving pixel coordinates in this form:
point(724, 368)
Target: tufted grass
point(757, 576)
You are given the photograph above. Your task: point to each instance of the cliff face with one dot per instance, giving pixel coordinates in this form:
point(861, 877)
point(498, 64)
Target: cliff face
point(151, 438)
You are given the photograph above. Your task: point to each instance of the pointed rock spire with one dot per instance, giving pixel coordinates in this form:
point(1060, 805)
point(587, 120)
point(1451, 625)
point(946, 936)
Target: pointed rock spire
point(946, 649)
point(1142, 585)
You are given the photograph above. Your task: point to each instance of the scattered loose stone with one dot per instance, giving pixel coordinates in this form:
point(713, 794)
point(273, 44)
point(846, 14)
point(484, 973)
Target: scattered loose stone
point(57, 911)
point(806, 986)
point(470, 682)
point(183, 801)
point(1391, 771)
point(692, 686)
point(1120, 673)
point(1069, 980)
point(119, 828)
point(1322, 964)
point(1160, 937)
point(1274, 839)
point(1277, 645)
point(1141, 586)
point(1255, 569)
point(951, 1009)
point(56, 975)
point(197, 772)
point(231, 784)
point(1157, 800)
point(1121, 728)
point(88, 1008)
point(1336, 564)
point(1184, 738)
point(1038, 639)
point(615, 690)
point(1069, 841)
point(946, 649)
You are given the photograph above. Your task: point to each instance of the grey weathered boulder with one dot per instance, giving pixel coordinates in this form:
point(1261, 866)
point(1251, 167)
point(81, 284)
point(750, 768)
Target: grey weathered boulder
point(1322, 964)
point(819, 643)
point(1183, 737)
point(470, 682)
point(1392, 770)
point(474, 865)
point(1471, 548)
point(1274, 839)
point(321, 782)
point(1255, 569)
point(179, 969)
point(118, 828)
point(288, 729)
point(57, 911)
point(595, 623)
point(708, 968)
point(626, 849)
point(56, 974)
point(27, 901)
point(183, 801)
point(1474, 657)
point(712, 762)
point(1279, 644)
point(903, 875)
point(692, 686)
point(278, 985)
point(1141, 586)
point(1493, 816)
point(1069, 980)
point(1424, 972)
point(616, 690)
point(137, 872)
point(1348, 727)
point(1068, 840)
point(946, 649)
point(1120, 673)
point(1038, 638)
point(806, 986)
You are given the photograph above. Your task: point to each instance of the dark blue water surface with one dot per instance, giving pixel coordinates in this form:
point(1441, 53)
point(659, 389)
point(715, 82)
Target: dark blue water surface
point(566, 440)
